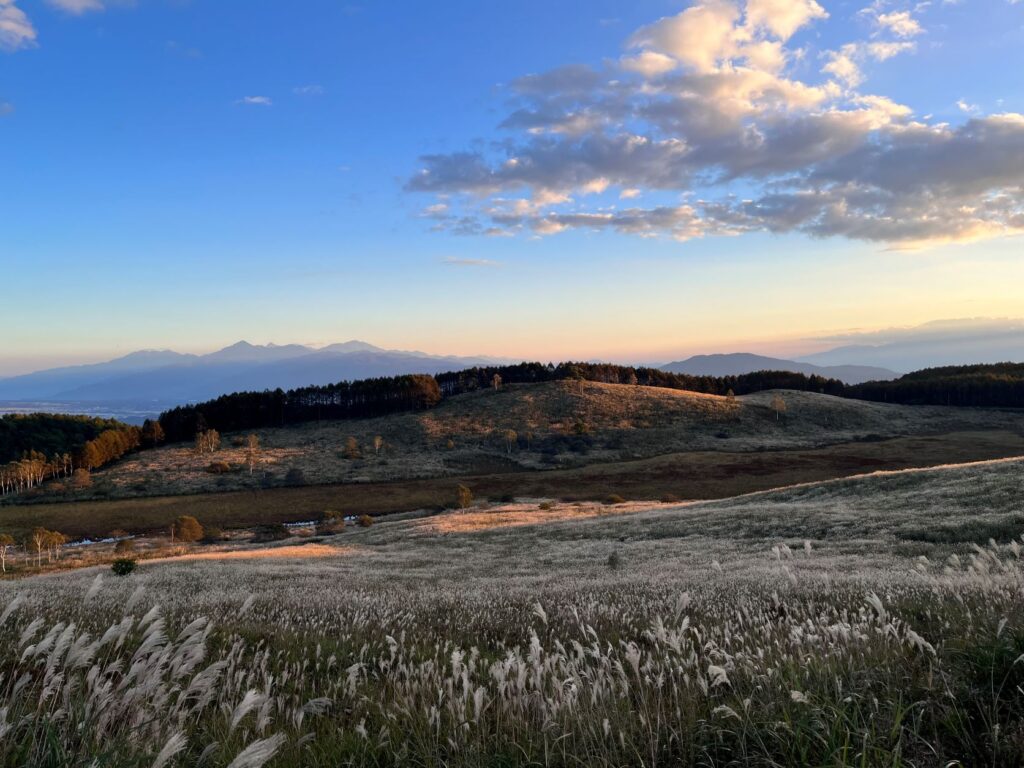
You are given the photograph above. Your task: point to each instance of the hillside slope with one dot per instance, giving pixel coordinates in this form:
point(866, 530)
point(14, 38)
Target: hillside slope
point(529, 427)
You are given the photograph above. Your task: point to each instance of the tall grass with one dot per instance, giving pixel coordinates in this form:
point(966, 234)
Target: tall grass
point(783, 664)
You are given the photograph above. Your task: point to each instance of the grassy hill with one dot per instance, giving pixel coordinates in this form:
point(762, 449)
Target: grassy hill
point(603, 432)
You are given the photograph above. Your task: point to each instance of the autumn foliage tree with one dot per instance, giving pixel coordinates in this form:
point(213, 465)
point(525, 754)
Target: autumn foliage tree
point(186, 528)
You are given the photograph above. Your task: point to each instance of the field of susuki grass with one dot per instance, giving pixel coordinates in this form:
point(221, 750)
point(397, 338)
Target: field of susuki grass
point(818, 625)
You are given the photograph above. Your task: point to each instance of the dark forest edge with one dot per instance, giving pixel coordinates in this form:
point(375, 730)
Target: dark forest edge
point(39, 446)
point(1000, 385)
point(370, 398)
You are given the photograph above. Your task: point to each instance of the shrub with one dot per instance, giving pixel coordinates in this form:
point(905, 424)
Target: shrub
point(546, 505)
point(218, 468)
point(187, 528)
point(365, 521)
point(352, 450)
point(614, 561)
point(614, 498)
point(81, 478)
point(123, 566)
point(272, 532)
point(213, 535)
point(670, 498)
point(124, 547)
point(331, 525)
point(463, 497)
point(295, 476)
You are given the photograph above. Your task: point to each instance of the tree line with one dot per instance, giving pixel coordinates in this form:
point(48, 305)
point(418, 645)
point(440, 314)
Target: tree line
point(40, 447)
point(365, 398)
point(368, 398)
point(995, 385)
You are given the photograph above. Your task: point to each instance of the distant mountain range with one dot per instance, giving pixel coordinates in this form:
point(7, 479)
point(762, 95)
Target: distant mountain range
point(164, 377)
point(739, 363)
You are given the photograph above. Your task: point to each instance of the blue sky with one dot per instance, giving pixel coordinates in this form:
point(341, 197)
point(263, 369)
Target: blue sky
point(184, 174)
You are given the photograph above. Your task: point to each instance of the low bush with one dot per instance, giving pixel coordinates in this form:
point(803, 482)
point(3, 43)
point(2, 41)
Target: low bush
point(123, 566)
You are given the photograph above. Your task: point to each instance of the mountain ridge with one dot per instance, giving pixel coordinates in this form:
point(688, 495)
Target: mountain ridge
point(165, 376)
point(739, 363)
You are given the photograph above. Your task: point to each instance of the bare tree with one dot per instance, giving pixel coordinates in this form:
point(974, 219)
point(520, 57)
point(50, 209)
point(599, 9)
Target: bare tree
point(378, 443)
point(511, 438)
point(779, 406)
point(252, 451)
point(496, 381)
point(207, 441)
point(6, 542)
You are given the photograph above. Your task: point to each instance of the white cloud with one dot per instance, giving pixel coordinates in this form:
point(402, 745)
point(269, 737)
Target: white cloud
point(886, 50)
point(963, 106)
point(701, 36)
point(783, 17)
point(256, 101)
point(823, 158)
point(16, 30)
point(900, 23)
point(649, 63)
point(842, 66)
point(308, 90)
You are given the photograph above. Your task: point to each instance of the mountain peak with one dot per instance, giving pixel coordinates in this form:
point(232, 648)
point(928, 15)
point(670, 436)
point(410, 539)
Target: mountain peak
point(353, 345)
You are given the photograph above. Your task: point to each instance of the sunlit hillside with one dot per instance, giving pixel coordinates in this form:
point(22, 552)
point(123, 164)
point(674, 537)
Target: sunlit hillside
point(538, 426)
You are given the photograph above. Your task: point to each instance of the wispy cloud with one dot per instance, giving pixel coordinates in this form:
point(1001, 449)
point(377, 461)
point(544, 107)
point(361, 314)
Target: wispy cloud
point(453, 261)
point(77, 7)
point(6, 108)
point(256, 101)
point(308, 90)
point(16, 30)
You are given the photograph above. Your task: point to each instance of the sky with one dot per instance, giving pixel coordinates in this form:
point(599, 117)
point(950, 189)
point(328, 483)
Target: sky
point(624, 180)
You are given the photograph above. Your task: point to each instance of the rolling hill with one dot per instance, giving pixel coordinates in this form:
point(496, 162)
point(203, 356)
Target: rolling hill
point(565, 425)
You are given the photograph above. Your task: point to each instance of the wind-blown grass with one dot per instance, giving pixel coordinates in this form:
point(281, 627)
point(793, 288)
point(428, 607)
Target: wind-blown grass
point(518, 645)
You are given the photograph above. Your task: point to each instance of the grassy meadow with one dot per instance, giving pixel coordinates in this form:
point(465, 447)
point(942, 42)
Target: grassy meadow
point(557, 426)
point(868, 621)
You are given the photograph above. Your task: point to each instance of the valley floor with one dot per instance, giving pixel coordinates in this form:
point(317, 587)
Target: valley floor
point(689, 475)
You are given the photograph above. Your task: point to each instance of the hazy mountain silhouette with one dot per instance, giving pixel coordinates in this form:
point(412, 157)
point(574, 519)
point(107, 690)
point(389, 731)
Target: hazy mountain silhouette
point(169, 377)
point(962, 341)
point(738, 363)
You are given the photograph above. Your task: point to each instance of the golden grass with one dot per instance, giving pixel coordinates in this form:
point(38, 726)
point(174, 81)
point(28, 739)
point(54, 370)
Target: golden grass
point(288, 551)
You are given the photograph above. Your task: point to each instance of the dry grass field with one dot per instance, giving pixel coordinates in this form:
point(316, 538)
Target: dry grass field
point(558, 425)
point(687, 475)
point(867, 621)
